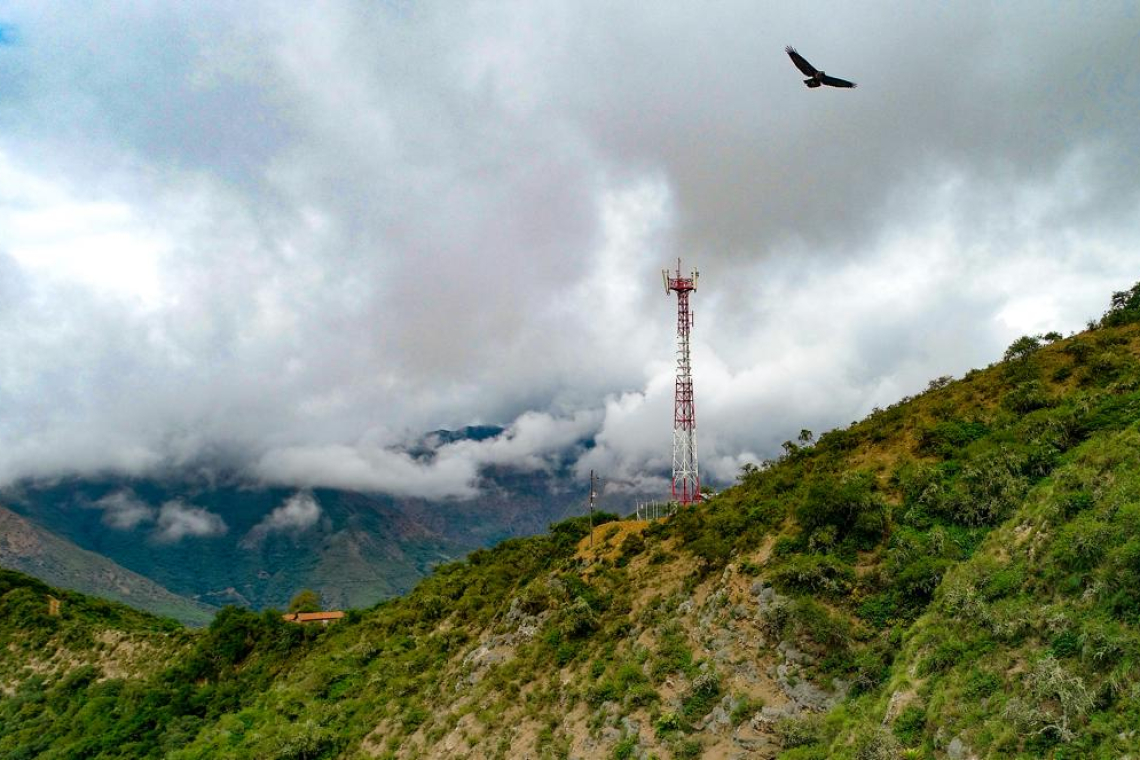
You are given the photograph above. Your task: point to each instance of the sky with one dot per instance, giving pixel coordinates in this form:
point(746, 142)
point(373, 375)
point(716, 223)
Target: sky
point(288, 240)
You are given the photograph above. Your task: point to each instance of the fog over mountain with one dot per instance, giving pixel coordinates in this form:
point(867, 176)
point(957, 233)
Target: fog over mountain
point(289, 240)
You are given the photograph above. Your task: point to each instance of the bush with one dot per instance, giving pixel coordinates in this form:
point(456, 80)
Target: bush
point(1124, 308)
point(947, 439)
point(849, 504)
point(877, 744)
point(814, 573)
point(701, 697)
point(1026, 397)
point(910, 725)
point(798, 732)
point(633, 545)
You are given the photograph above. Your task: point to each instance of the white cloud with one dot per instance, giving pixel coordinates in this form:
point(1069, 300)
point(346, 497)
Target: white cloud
point(177, 520)
point(123, 510)
point(367, 467)
point(296, 241)
point(298, 513)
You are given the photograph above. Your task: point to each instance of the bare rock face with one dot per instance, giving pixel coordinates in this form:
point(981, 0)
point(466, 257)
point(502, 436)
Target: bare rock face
point(957, 749)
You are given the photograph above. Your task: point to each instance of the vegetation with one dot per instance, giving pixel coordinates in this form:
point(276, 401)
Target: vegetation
point(956, 575)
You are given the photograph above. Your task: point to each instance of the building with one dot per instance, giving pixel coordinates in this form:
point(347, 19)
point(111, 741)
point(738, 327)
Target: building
point(324, 618)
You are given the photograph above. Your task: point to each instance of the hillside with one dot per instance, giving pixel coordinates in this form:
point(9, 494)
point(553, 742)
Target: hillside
point(33, 550)
point(956, 576)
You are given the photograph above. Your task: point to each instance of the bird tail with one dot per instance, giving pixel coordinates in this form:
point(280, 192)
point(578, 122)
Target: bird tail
point(811, 82)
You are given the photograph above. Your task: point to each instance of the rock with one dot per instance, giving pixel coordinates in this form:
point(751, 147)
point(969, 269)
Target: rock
point(757, 587)
point(718, 719)
point(752, 744)
point(791, 654)
point(685, 607)
point(805, 693)
point(769, 715)
point(957, 749)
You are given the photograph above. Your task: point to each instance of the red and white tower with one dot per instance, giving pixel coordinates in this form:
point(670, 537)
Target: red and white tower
point(686, 479)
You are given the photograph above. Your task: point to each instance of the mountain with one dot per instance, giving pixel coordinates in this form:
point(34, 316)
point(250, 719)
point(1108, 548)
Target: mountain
point(223, 541)
point(33, 550)
point(955, 576)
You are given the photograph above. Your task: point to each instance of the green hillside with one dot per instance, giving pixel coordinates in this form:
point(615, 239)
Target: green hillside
point(955, 576)
point(30, 549)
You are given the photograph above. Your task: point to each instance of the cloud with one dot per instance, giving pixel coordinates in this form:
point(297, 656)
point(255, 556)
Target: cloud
point(123, 510)
point(289, 243)
point(177, 520)
point(298, 513)
point(533, 441)
point(367, 467)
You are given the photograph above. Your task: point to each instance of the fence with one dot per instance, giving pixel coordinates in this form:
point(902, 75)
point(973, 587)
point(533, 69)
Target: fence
point(655, 510)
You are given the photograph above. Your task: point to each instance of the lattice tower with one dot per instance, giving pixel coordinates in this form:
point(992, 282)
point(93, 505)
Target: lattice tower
point(686, 477)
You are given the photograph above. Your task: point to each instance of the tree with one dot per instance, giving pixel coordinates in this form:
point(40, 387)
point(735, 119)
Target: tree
point(1022, 348)
point(306, 600)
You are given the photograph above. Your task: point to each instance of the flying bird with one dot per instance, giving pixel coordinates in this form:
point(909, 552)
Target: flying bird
point(817, 77)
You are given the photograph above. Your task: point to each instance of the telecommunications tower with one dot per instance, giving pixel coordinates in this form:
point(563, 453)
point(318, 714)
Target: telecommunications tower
point(686, 480)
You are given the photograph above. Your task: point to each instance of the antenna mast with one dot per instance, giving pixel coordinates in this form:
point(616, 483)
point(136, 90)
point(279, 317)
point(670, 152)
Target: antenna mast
point(593, 497)
point(686, 479)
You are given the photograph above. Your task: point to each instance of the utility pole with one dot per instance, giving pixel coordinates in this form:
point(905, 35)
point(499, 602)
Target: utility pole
point(686, 478)
point(593, 498)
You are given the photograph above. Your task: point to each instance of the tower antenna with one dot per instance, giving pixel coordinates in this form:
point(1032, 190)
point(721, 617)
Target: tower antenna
point(686, 478)
point(594, 494)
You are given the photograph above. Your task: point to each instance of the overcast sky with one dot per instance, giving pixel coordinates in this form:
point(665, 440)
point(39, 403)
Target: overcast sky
point(289, 237)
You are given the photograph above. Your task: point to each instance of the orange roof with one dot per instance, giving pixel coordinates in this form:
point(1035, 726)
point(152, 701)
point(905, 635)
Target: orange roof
point(310, 617)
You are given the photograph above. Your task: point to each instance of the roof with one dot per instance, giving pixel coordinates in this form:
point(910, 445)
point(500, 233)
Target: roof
point(312, 617)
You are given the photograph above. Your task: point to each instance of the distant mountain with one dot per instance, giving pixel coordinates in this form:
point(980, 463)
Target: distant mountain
point(33, 550)
point(227, 542)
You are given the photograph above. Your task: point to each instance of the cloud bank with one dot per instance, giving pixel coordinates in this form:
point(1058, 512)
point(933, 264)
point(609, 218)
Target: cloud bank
point(290, 242)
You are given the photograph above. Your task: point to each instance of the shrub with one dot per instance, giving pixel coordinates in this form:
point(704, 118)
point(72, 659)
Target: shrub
point(1053, 700)
point(1081, 544)
point(946, 439)
point(1124, 308)
point(798, 732)
point(848, 503)
point(876, 744)
point(744, 708)
point(1026, 397)
point(625, 748)
point(687, 749)
point(702, 696)
point(910, 725)
point(815, 573)
point(633, 545)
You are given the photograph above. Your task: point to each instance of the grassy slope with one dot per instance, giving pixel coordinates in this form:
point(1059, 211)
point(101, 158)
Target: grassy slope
point(31, 549)
point(964, 566)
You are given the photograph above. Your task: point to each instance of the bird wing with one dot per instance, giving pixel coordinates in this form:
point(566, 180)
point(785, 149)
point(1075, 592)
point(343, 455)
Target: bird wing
point(801, 62)
point(837, 82)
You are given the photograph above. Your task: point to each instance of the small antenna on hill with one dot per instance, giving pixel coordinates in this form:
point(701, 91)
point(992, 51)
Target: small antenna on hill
point(594, 494)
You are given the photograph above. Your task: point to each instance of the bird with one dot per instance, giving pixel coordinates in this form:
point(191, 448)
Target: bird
point(817, 77)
